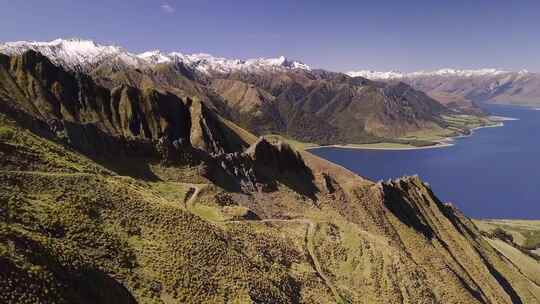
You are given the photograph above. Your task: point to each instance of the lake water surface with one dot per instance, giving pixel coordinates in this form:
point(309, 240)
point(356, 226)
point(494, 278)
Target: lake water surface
point(495, 173)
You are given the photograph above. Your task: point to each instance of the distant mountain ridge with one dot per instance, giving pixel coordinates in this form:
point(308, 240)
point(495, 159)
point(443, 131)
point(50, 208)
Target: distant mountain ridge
point(325, 107)
point(454, 85)
point(448, 72)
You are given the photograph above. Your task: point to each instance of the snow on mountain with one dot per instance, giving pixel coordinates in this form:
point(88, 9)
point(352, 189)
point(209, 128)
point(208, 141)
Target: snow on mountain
point(376, 75)
point(207, 63)
point(154, 57)
point(454, 85)
point(73, 53)
point(78, 54)
point(442, 72)
point(459, 73)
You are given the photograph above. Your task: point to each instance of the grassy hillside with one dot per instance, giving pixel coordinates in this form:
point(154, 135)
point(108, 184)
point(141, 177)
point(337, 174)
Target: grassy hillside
point(74, 231)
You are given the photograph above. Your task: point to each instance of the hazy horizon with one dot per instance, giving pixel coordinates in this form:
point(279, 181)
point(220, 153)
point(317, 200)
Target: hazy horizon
point(407, 37)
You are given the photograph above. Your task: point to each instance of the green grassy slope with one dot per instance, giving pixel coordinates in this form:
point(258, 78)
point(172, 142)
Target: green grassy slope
point(66, 224)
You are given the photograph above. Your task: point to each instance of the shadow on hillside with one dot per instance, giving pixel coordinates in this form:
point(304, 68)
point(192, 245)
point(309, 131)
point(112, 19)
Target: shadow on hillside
point(475, 293)
point(131, 158)
point(395, 200)
point(238, 172)
point(120, 155)
point(299, 181)
point(138, 168)
point(502, 281)
point(78, 284)
point(218, 175)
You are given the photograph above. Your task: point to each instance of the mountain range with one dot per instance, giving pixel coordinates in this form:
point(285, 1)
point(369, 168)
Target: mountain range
point(87, 55)
point(267, 96)
point(444, 85)
point(484, 85)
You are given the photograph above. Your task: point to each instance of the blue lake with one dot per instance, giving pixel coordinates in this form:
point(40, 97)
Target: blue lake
point(495, 173)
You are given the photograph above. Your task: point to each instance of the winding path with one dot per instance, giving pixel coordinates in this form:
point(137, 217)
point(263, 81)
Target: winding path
point(309, 237)
point(310, 246)
point(189, 203)
point(193, 196)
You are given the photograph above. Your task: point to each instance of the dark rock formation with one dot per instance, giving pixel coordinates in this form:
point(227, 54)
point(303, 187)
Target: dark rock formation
point(124, 119)
point(280, 157)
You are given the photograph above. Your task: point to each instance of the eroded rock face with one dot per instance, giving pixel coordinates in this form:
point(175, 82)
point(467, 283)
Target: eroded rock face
point(278, 162)
point(430, 230)
point(404, 209)
point(98, 120)
point(262, 166)
point(280, 156)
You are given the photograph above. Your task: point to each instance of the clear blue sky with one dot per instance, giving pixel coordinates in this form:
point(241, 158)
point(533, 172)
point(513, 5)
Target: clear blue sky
point(336, 35)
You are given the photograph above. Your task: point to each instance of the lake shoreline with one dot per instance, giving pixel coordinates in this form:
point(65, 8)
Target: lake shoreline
point(498, 121)
point(360, 147)
point(479, 174)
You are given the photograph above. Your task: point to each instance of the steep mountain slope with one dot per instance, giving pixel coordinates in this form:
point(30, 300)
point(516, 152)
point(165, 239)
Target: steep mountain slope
point(73, 103)
point(460, 86)
point(324, 107)
point(518, 241)
point(218, 216)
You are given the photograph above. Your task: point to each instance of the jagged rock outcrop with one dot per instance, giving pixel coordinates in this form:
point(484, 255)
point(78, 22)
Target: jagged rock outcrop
point(99, 120)
point(261, 165)
point(451, 239)
point(279, 156)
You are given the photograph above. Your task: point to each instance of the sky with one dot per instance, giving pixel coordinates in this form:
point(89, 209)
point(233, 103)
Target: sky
point(336, 35)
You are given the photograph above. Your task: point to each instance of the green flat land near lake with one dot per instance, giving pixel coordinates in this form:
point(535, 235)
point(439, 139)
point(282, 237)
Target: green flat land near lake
point(428, 138)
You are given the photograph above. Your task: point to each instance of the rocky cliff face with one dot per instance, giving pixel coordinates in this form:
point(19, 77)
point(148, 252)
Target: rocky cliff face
point(32, 83)
point(75, 106)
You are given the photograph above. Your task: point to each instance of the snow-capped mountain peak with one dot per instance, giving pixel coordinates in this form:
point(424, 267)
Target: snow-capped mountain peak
point(376, 75)
point(459, 73)
point(73, 53)
point(154, 57)
point(281, 61)
point(81, 54)
point(206, 63)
